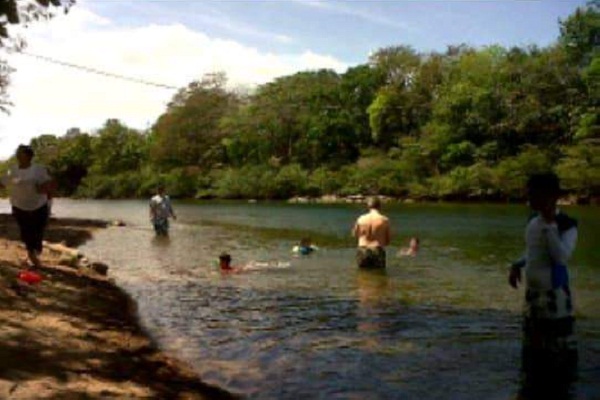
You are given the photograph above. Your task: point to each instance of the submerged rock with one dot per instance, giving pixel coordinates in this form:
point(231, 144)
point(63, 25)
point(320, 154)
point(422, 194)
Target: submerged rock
point(99, 268)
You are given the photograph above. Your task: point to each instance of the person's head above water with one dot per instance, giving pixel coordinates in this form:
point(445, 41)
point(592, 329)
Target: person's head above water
point(543, 191)
point(225, 261)
point(24, 155)
point(305, 242)
point(414, 243)
point(373, 203)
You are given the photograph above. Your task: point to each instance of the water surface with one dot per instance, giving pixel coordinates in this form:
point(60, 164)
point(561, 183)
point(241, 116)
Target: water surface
point(443, 325)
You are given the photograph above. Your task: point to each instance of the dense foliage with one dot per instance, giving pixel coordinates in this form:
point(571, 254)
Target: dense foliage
point(466, 123)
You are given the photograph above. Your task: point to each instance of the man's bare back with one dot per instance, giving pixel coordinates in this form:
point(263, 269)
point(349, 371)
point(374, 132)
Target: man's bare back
point(372, 230)
point(373, 233)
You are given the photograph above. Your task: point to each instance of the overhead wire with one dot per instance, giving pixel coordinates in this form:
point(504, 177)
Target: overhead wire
point(97, 71)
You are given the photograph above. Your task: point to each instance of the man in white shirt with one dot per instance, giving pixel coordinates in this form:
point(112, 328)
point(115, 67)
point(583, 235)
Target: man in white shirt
point(373, 233)
point(29, 186)
point(160, 212)
point(549, 354)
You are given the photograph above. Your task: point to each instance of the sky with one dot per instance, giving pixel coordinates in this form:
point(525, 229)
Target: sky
point(173, 42)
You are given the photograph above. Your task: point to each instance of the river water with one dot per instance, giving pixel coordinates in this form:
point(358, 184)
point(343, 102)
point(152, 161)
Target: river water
point(443, 325)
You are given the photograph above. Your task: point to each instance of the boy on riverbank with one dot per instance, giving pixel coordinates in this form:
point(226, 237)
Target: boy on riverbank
point(549, 353)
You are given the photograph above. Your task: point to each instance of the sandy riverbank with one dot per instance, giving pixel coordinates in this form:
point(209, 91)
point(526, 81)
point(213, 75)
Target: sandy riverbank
point(76, 335)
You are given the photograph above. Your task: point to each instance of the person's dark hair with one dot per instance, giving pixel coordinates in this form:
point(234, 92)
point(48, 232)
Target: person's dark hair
point(160, 188)
point(224, 257)
point(547, 182)
point(27, 150)
point(374, 202)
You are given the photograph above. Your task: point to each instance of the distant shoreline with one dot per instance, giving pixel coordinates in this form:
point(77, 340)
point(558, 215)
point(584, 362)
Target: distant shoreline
point(569, 200)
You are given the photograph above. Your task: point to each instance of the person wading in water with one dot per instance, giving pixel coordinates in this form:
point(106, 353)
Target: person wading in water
point(373, 233)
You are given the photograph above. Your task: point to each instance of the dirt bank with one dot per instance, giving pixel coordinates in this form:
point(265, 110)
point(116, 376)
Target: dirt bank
point(75, 335)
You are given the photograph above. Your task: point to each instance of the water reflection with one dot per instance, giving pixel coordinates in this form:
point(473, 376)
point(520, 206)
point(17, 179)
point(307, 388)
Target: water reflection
point(373, 287)
point(161, 241)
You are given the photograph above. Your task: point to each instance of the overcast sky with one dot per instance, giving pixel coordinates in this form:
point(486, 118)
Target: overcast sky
point(175, 41)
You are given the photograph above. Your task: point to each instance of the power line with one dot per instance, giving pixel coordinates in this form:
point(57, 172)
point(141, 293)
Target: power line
point(99, 72)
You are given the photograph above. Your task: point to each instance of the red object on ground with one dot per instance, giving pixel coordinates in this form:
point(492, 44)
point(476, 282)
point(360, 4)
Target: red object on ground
point(30, 277)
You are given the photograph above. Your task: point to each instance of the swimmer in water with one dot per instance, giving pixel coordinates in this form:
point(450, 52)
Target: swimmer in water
point(226, 267)
point(413, 248)
point(225, 263)
point(305, 247)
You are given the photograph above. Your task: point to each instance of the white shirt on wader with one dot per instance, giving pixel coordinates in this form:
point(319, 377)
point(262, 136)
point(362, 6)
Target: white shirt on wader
point(22, 186)
point(161, 207)
point(546, 247)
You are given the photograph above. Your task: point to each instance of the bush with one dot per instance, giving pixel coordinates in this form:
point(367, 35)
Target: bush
point(254, 182)
point(372, 176)
point(323, 181)
point(579, 170)
point(290, 181)
point(182, 182)
point(463, 182)
point(512, 173)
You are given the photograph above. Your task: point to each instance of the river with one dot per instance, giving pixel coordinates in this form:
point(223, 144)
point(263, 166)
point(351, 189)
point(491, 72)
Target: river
point(442, 325)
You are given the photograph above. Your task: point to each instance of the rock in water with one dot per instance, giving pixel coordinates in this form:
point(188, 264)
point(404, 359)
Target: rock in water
point(99, 268)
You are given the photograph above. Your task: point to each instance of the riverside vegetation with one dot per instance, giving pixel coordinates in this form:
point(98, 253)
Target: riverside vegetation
point(462, 124)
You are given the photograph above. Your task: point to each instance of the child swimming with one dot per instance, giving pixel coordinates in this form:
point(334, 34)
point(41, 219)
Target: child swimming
point(305, 247)
point(412, 249)
point(225, 263)
point(226, 267)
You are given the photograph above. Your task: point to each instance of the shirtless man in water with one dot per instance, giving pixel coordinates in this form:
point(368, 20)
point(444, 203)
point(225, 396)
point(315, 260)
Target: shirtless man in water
point(373, 233)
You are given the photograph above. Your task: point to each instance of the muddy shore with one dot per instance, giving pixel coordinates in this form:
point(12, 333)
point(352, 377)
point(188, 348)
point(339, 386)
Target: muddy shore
point(76, 334)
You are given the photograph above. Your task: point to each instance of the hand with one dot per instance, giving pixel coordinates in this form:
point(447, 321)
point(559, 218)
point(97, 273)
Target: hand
point(514, 277)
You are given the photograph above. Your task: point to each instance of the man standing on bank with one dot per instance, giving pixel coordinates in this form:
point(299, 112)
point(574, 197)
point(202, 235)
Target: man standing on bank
point(373, 233)
point(29, 186)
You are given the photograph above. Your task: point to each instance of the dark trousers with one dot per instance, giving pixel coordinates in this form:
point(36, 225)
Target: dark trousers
point(32, 225)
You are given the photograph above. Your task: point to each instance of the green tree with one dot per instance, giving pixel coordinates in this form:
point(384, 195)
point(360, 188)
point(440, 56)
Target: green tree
point(189, 132)
point(580, 33)
point(117, 148)
point(579, 169)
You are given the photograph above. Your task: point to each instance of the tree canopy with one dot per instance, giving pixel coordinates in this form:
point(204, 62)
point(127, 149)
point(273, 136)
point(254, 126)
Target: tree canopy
point(460, 124)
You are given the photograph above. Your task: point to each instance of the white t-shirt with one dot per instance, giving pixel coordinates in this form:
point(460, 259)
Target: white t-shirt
point(22, 186)
point(161, 207)
point(546, 247)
